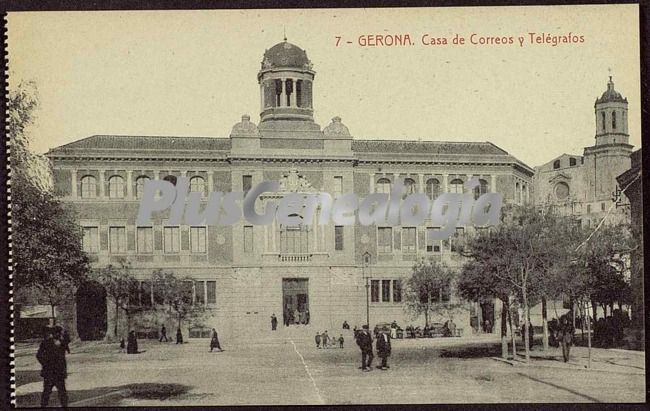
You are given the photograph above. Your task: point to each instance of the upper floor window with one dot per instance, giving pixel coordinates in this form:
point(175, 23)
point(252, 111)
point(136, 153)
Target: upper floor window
point(433, 246)
point(294, 239)
point(572, 161)
point(247, 183)
point(456, 186)
point(90, 241)
point(480, 189)
point(409, 185)
point(139, 186)
point(248, 238)
point(197, 184)
point(384, 239)
point(338, 238)
point(116, 187)
point(197, 239)
point(433, 188)
point(172, 239)
point(145, 239)
point(117, 237)
point(383, 186)
point(409, 236)
point(88, 187)
point(457, 240)
point(602, 116)
point(556, 164)
point(338, 185)
point(614, 120)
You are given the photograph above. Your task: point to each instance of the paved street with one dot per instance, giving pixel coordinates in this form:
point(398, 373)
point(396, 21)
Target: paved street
point(284, 370)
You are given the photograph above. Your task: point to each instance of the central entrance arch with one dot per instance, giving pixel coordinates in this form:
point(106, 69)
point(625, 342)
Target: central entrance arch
point(91, 311)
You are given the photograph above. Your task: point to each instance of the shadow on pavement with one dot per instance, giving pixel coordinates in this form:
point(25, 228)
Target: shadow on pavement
point(147, 391)
point(26, 377)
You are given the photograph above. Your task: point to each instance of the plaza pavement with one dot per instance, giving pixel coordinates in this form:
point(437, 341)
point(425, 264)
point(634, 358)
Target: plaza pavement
point(288, 369)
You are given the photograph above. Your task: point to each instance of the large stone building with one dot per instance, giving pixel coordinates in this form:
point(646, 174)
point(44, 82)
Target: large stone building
point(244, 273)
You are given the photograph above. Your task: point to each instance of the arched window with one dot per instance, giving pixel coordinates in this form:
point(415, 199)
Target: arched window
point(602, 116)
point(289, 91)
point(614, 120)
point(572, 161)
point(116, 187)
point(88, 187)
point(409, 185)
point(299, 93)
point(197, 184)
point(383, 186)
point(556, 164)
point(480, 189)
point(456, 186)
point(433, 188)
point(517, 194)
point(139, 186)
point(278, 92)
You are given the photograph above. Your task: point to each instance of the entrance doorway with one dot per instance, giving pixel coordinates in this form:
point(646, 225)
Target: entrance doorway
point(295, 301)
point(91, 311)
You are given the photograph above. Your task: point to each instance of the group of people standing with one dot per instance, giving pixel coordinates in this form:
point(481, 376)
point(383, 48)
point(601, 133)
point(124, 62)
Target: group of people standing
point(326, 341)
point(295, 316)
point(364, 341)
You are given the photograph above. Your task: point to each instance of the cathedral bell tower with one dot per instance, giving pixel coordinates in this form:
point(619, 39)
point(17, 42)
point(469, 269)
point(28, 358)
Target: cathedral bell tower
point(286, 80)
point(611, 117)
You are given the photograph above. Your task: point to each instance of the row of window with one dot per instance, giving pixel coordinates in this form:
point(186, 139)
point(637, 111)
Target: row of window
point(198, 292)
point(432, 187)
point(391, 291)
point(117, 186)
point(144, 239)
point(409, 240)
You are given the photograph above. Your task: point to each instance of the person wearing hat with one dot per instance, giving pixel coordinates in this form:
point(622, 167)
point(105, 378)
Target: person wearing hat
point(364, 341)
point(51, 356)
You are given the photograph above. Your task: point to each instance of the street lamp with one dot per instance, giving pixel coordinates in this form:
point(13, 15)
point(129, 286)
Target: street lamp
point(366, 261)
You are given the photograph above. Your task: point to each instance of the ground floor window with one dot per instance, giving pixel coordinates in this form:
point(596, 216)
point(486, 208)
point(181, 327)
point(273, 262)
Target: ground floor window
point(383, 290)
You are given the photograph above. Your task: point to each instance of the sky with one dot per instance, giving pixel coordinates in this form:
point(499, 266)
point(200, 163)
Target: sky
point(194, 73)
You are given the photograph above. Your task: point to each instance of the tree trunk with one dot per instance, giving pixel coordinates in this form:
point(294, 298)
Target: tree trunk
point(512, 332)
point(53, 316)
point(595, 309)
point(588, 341)
point(582, 323)
point(117, 317)
point(504, 329)
point(544, 325)
point(526, 325)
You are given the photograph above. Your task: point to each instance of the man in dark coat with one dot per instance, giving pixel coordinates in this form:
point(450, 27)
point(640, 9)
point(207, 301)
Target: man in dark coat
point(383, 349)
point(565, 336)
point(132, 343)
point(274, 322)
point(163, 333)
point(179, 336)
point(51, 356)
point(364, 341)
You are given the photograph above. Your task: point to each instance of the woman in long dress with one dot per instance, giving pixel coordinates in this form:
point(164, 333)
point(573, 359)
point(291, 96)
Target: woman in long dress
point(214, 341)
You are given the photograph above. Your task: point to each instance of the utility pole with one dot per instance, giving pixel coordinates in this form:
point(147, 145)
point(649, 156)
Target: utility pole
point(366, 261)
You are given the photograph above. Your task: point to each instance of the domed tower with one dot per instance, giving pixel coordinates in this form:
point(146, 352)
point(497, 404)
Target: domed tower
point(286, 79)
point(611, 117)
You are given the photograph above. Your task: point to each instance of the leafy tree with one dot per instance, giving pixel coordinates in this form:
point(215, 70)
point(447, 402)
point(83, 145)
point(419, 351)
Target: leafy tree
point(177, 294)
point(120, 284)
point(48, 261)
point(428, 290)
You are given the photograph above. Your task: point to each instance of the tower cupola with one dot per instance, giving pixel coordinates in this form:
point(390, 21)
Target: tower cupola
point(611, 117)
point(286, 78)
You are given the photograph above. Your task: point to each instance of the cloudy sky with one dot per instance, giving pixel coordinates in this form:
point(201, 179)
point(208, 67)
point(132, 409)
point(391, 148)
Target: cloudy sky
point(193, 73)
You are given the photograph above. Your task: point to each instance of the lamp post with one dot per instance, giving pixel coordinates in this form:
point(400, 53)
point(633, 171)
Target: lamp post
point(366, 261)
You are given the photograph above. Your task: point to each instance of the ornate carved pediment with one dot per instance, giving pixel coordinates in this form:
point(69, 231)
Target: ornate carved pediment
point(293, 182)
point(559, 177)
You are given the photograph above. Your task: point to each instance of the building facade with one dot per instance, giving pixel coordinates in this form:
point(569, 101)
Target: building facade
point(245, 273)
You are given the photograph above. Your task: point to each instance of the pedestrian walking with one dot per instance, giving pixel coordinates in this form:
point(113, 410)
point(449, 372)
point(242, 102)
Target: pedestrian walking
point(325, 339)
point(179, 336)
point(163, 333)
point(122, 345)
point(51, 356)
point(317, 339)
point(341, 340)
point(214, 341)
point(565, 336)
point(132, 343)
point(364, 341)
point(383, 349)
point(274, 322)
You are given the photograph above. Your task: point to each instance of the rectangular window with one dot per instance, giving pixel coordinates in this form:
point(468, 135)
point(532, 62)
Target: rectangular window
point(247, 183)
point(385, 291)
point(457, 240)
point(197, 239)
point(433, 246)
point(212, 292)
point(374, 291)
point(248, 238)
point(172, 239)
point(384, 239)
point(338, 186)
point(90, 240)
point(338, 237)
point(199, 290)
point(588, 208)
point(145, 239)
point(117, 239)
point(408, 239)
point(397, 291)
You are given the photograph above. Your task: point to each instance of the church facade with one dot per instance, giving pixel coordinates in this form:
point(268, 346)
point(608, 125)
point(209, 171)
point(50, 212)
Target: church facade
point(327, 274)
